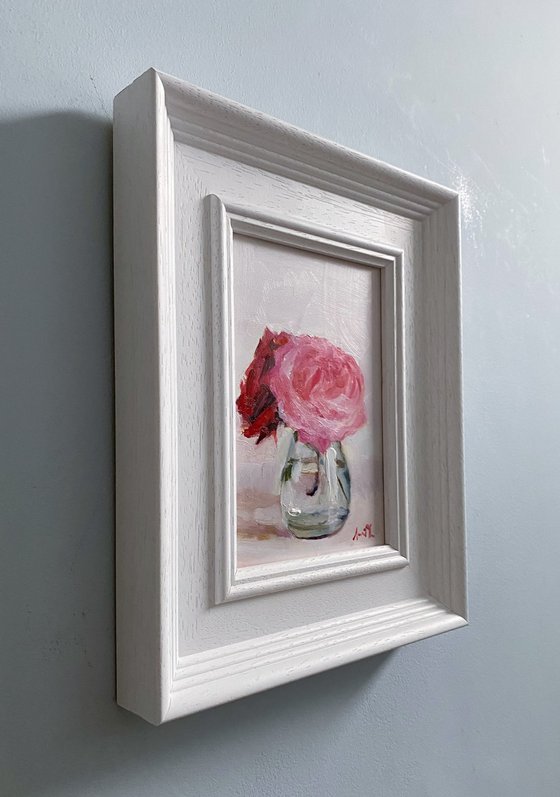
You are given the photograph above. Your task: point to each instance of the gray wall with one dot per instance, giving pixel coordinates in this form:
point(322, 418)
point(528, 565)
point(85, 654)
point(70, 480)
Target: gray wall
point(466, 93)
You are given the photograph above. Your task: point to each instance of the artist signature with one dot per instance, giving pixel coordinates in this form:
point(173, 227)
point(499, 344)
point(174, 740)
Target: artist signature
point(365, 533)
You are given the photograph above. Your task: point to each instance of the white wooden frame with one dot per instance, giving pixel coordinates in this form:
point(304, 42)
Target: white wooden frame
point(231, 582)
point(422, 440)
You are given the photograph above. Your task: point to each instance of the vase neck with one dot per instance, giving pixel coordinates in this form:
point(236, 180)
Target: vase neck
point(306, 449)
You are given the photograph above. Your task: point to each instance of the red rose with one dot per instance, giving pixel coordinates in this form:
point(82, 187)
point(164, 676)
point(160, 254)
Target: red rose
point(256, 404)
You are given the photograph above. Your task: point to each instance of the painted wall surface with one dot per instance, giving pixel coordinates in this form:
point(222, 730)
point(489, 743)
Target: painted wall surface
point(464, 92)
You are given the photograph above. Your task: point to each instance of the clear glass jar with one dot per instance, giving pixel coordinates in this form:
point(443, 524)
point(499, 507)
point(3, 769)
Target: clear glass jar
point(315, 490)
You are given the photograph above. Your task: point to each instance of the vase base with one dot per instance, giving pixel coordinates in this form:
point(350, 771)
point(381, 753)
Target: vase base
point(314, 526)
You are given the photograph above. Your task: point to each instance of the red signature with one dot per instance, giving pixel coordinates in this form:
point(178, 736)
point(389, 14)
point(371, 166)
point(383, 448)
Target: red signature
point(366, 532)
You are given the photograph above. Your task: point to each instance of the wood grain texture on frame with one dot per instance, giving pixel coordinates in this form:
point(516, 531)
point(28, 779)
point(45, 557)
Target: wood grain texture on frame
point(157, 679)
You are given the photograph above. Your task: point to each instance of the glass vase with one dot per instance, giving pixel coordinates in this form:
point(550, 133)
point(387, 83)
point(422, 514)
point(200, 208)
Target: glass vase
point(315, 490)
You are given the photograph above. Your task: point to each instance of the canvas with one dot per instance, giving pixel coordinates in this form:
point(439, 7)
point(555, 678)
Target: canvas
point(307, 364)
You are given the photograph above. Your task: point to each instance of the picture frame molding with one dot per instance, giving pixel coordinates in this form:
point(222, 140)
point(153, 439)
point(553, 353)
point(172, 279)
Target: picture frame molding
point(231, 583)
point(152, 115)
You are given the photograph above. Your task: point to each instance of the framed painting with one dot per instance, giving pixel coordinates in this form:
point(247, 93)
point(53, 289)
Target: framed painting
point(309, 326)
point(288, 402)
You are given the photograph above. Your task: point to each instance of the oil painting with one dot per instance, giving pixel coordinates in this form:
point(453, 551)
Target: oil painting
point(308, 404)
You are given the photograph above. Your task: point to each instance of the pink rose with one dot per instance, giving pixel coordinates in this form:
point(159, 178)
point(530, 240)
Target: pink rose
point(319, 389)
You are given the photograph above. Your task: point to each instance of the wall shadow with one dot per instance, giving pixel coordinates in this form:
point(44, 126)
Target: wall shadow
point(57, 493)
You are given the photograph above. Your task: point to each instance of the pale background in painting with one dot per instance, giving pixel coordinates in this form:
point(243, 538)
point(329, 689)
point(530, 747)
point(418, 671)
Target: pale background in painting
point(305, 293)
